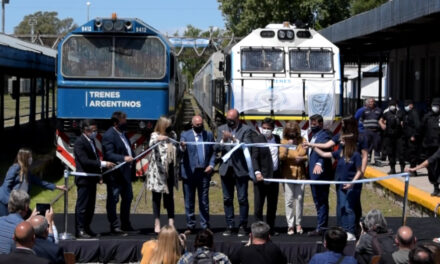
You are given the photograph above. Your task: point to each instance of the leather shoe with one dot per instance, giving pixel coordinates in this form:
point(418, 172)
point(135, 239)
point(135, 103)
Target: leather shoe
point(91, 233)
point(228, 232)
point(82, 235)
point(117, 231)
point(242, 232)
point(314, 233)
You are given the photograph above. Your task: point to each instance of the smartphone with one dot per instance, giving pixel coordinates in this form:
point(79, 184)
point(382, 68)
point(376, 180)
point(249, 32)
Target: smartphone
point(42, 207)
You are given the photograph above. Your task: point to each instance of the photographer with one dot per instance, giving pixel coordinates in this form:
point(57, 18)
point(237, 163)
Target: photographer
point(375, 238)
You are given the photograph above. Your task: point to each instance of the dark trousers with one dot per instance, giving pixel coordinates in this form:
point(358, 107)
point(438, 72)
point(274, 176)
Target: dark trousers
point(199, 181)
point(347, 201)
point(261, 192)
point(168, 199)
point(241, 183)
point(393, 146)
point(374, 141)
point(85, 206)
point(320, 197)
point(116, 188)
point(410, 150)
point(433, 168)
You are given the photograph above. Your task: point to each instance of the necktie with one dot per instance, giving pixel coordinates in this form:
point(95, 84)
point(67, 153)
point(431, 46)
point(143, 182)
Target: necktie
point(200, 151)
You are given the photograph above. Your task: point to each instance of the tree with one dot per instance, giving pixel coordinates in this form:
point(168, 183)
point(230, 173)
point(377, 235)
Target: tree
point(47, 23)
point(242, 16)
point(191, 63)
point(359, 6)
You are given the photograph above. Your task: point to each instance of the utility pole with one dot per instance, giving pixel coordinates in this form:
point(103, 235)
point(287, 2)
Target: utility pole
point(3, 14)
point(32, 22)
point(88, 11)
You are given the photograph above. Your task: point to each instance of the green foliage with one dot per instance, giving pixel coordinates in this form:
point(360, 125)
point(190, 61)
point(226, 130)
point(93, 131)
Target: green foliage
point(242, 16)
point(359, 6)
point(47, 23)
point(190, 62)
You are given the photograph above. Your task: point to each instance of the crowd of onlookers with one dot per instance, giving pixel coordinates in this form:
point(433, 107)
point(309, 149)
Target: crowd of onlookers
point(31, 239)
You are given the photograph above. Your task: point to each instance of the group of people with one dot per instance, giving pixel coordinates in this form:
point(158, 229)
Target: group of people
point(402, 135)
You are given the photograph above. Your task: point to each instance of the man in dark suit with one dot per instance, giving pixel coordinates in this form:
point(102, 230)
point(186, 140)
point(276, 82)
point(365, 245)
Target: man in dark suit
point(24, 238)
point(87, 160)
point(117, 149)
point(319, 169)
point(234, 172)
point(197, 165)
point(43, 247)
point(265, 162)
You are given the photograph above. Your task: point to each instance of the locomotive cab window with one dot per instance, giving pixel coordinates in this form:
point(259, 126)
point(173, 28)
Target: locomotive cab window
point(311, 60)
point(113, 57)
point(262, 60)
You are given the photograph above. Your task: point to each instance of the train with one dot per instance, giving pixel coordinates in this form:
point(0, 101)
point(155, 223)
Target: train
point(282, 71)
point(115, 64)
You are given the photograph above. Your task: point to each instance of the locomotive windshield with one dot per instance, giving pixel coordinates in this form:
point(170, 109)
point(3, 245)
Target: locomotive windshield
point(310, 60)
point(113, 57)
point(262, 60)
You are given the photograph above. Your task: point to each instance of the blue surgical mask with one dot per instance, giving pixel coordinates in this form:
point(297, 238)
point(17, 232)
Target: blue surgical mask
point(407, 108)
point(266, 132)
point(93, 135)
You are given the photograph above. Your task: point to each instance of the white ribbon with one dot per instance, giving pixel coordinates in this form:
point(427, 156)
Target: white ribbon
point(406, 174)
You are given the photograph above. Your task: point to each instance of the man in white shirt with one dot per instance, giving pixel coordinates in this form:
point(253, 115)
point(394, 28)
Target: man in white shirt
point(265, 163)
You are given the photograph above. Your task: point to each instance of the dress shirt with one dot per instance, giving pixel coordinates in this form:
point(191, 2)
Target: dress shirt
point(103, 163)
point(274, 152)
point(126, 143)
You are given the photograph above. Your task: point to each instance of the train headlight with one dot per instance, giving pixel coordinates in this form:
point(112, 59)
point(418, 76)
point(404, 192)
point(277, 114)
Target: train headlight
point(108, 25)
point(118, 25)
point(281, 34)
point(98, 23)
point(290, 34)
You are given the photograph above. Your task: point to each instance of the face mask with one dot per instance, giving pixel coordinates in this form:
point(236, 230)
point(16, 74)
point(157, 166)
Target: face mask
point(93, 135)
point(407, 108)
point(30, 161)
point(122, 126)
point(198, 129)
point(266, 132)
point(315, 129)
point(435, 108)
point(231, 123)
point(393, 108)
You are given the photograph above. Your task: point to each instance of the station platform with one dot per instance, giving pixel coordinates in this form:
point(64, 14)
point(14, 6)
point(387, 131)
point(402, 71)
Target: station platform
point(419, 191)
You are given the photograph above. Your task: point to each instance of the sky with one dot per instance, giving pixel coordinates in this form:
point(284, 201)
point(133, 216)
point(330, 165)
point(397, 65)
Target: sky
point(168, 16)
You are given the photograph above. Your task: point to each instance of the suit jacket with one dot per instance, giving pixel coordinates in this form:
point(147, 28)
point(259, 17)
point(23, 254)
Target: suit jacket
point(22, 256)
point(189, 160)
point(114, 150)
point(321, 136)
point(48, 250)
point(262, 157)
point(237, 161)
point(86, 160)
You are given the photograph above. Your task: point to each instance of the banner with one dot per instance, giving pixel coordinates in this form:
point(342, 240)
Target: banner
point(321, 98)
point(286, 94)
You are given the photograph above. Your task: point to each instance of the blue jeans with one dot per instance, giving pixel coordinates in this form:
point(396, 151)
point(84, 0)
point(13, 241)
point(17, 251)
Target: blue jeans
point(347, 202)
point(241, 183)
point(199, 181)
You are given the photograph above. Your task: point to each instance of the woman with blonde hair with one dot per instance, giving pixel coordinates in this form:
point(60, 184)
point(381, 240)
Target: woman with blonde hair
point(162, 170)
point(19, 177)
point(167, 249)
point(293, 167)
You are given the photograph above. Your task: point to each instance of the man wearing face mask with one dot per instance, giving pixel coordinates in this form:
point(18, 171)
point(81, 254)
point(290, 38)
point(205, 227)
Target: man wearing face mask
point(411, 130)
point(391, 123)
point(117, 149)
point(266, 162)
point(319, 169)
point(197, 165)
point(431, 142)
point(370, 120)
point(234, 172)
point(87, 160)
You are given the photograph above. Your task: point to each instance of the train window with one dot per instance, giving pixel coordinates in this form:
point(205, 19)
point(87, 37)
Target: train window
point(311, 60)
point(87, 57)
point(262, 60)
point(139, 57)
